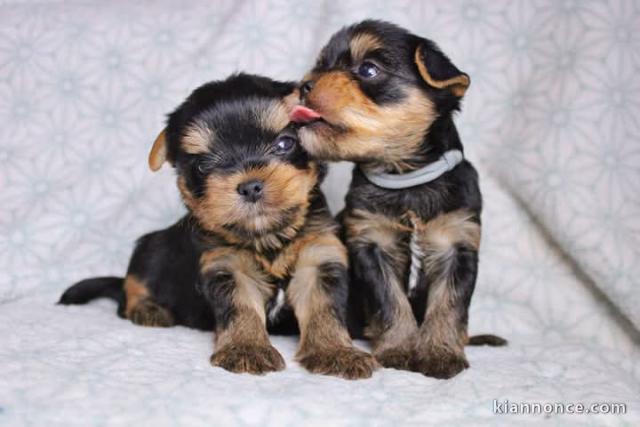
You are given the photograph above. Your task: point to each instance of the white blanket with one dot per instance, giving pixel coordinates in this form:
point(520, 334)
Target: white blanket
point(83, 90)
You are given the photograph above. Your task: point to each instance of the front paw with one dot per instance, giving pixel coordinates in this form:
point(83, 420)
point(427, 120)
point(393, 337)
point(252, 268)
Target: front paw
point(346, 362)
point(396, 358)
point(254, 359)
point(439, 362)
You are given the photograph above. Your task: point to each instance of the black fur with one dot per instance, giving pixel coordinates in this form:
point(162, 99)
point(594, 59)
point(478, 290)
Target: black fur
point(457, 189)
point(98, 287)
point(168, 260)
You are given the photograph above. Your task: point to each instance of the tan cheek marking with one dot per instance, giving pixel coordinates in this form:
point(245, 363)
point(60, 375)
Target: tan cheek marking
point(388, 133)
point(363, 43)
point(395, 131)
point(286, 187)
point(196, 139)
point(335, 90)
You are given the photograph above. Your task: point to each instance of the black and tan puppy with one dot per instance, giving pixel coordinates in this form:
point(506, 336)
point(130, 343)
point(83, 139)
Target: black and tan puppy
point(384, 98)
point(257, 246)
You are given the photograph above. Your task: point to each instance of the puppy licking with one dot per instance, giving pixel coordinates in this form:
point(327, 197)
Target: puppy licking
point(384, 98)
point(257, 250)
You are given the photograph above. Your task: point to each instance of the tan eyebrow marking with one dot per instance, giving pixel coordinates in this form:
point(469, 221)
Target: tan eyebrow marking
point(363, 43)
point(196, 139)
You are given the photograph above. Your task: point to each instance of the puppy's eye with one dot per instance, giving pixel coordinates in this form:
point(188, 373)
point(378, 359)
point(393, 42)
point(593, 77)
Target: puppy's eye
point(284, 144)
point(368, 70)
point(202, 168)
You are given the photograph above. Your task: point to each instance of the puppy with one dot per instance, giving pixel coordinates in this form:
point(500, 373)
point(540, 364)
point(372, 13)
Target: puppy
point(384, 99)
point(257, 246)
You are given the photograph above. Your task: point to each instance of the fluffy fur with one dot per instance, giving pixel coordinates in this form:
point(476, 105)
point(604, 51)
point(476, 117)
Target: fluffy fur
point(258, 249)
point(384, 98)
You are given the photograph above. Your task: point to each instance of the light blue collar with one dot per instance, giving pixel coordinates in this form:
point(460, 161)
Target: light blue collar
point(449, 160)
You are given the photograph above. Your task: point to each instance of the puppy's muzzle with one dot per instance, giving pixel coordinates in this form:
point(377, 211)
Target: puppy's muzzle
point(251, 191)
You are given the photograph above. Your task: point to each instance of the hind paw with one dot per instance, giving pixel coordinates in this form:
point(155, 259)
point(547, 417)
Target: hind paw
point(148, 313)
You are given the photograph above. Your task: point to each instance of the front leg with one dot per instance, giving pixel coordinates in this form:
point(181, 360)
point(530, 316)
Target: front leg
point(378, 261)
point(237, 292)
point(318, 294)
point(450, 243)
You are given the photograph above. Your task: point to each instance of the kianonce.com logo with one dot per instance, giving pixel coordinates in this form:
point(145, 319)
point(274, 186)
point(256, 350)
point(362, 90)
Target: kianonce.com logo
point(534, 408)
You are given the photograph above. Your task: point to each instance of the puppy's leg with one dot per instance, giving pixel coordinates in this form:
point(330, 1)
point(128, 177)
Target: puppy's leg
point(318, 294)
point(141, 308)
point(378, 261)
point(237, 292)
point(450, 243)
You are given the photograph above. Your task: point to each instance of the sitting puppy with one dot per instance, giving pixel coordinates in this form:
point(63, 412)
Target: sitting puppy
point(258, 241)
point(384, 98)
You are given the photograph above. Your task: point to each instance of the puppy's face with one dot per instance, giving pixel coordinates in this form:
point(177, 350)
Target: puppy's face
point(240, 171)
point(373, 94)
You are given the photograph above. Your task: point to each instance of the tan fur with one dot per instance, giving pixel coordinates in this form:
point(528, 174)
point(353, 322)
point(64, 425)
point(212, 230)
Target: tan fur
point(363, 43)
point(369, 132)
point(158, 154)
point(441, 326)
point(252, 289)
point(443, 335)
point(140, 306)
point(275, 116)
point(304, 291)
point(196, 139)
point(135, 290)
point(364, 227)
point(243, 346)
point(325, 345)
point(286, 187)
point(318, 326)
point(371, 227)
point(458, 84)
point(449, 229)
point(291, 100)
point(284, 263)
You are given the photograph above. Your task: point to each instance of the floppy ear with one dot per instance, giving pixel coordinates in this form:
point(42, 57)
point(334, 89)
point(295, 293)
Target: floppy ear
point(438, 71)
point(158, 154)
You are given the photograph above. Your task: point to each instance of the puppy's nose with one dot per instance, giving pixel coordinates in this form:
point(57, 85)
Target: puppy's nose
point(251, 190)
point(306, 87)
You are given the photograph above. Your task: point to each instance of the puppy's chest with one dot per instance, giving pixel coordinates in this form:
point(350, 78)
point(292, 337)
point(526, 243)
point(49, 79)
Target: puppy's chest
point(278, 269)
point(408, 241)
point(279, 264)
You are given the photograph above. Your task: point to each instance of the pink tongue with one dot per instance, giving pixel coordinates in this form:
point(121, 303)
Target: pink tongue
point(302, 114)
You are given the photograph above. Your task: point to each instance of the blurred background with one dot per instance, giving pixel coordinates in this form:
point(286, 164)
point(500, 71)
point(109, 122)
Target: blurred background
point(551, 120)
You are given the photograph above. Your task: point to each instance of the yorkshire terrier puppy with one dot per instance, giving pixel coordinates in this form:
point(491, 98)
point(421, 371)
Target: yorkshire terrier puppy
point(384, 98)
point(258, 247)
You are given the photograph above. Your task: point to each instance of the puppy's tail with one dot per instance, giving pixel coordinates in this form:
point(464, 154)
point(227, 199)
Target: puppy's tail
point(487, 339)
point(96, 287)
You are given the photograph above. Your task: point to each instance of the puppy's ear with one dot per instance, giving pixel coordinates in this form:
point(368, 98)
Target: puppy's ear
point(158, 154)
point(438, 71)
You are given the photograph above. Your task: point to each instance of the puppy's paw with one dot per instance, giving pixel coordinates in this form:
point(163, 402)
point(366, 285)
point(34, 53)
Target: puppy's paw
point(440, 362)
point(148, 313)
point(253, 359)
point(396, 358)
point(346, 362)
